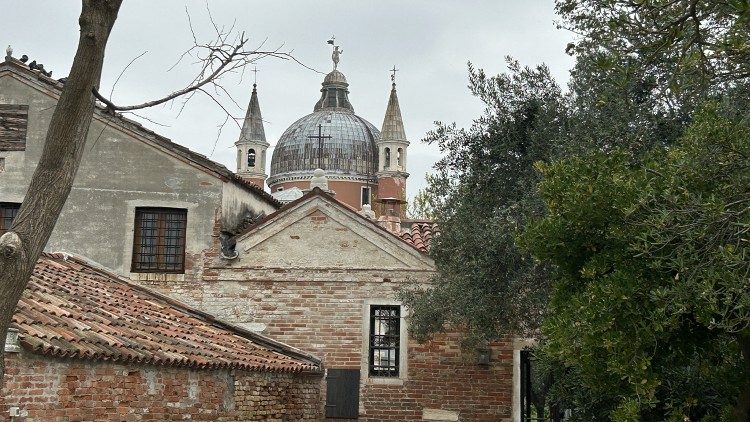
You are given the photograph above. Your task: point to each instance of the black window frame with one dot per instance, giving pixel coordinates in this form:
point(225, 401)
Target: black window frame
point(366, 195)
point(8, 212)
point(389, 341)
point(166, 256)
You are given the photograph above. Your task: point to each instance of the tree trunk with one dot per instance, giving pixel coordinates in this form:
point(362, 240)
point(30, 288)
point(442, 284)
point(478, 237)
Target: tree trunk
point(742, 409)
point(52, 181)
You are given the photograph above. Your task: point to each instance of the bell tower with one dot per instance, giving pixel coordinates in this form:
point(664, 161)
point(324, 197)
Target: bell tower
point(252, 145)
point(392, 158)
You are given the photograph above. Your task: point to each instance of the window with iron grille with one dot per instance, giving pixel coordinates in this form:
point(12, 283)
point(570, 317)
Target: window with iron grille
point(385, 329)
point(159, 242)
point(8, 212)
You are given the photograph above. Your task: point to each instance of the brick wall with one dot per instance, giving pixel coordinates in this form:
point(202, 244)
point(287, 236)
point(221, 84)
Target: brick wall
point(325, 318)
point(75, 390)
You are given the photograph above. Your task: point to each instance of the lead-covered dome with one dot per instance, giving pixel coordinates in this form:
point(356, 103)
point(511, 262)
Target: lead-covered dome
point(349, 141)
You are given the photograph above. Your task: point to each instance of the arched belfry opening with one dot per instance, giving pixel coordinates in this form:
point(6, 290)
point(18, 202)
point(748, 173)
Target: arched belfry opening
point(251, 158)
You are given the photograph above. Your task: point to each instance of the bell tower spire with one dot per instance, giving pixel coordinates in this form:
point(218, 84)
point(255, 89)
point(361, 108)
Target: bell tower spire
point(252, 144)
point(392, 155)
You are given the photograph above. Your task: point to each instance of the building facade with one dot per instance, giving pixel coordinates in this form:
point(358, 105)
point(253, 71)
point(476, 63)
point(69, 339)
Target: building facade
point(89, 345)
point(321, 274)
point(141, 205)
point(321, 277)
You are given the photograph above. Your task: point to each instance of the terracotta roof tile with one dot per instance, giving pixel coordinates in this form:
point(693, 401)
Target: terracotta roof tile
point(71, 308)
point(420, 235)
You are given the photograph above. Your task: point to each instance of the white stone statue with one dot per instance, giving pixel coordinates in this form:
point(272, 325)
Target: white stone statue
point(336, 56)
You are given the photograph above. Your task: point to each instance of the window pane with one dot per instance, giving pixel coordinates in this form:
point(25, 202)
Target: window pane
point(8, 212)
point(159, 240)
point(385, 325)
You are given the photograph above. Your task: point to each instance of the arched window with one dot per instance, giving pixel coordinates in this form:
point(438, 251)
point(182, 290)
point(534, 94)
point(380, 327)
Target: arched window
point(399, 159)
point(250, 158)
point(387, 158)
point(239, 160)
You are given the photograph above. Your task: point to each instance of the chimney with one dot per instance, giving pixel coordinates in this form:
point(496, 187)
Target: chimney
point(391, 222)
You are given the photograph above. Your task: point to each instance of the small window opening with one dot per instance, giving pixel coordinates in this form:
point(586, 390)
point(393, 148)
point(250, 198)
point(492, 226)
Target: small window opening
point(250, 158)
point(387, 158)
point(279, 189)
point(366, 192)
point(8, 212)
point(159, 241)
point(398, 157)
point(239, 159)
point(385, 330)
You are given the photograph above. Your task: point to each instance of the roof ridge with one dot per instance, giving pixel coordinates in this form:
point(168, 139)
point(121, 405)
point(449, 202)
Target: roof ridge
point(197, 158)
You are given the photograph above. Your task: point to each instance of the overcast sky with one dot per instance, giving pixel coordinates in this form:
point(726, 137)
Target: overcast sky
point(430, 41)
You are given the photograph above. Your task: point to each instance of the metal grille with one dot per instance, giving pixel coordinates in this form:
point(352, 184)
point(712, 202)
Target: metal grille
point(159, 244)
point(8, 212)
point(385, 327)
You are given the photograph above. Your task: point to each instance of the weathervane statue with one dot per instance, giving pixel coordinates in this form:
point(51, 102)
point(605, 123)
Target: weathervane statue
point(336, 55)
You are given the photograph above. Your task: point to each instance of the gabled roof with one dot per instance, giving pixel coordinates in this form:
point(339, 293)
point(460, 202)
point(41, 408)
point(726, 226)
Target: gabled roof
point(317, 192)
point(73, 309)
point(165, 144)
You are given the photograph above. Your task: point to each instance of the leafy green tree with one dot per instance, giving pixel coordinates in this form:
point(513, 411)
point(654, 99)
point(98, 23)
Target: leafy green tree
point(652, 272)
point(636, 216)
point(684, 48)
point(483, 190)
point(424, 204)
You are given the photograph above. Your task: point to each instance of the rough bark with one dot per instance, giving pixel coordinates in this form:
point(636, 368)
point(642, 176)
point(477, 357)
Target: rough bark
point(52, 181)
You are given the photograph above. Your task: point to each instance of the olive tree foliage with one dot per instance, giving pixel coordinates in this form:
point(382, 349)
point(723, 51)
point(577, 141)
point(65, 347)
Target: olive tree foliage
point(683, 48)
point(482, 191)
point(423, 205)
point(616, 213)
point(652, 275)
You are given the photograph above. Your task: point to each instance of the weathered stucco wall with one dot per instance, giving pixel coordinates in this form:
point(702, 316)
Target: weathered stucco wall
point(235, 206)
point(121, 170)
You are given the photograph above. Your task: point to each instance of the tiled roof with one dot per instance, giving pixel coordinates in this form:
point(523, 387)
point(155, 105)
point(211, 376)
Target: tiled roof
point(420, 235)
point(163, 142)
point(73, 309)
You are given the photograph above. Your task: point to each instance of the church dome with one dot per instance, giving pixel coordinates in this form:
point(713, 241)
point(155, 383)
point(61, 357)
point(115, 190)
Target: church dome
point(348, 141)
point(335, 76)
